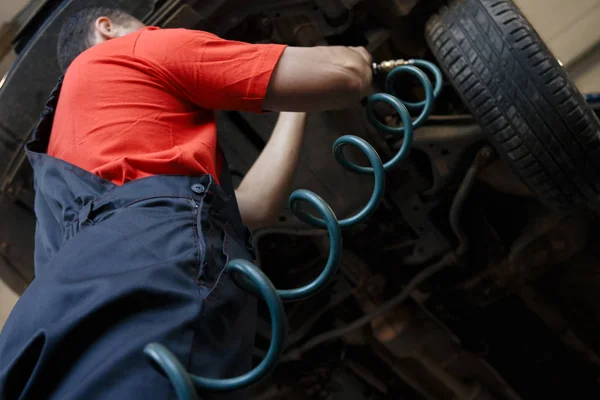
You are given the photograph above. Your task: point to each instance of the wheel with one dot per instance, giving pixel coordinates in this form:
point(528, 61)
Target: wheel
point(522, 97)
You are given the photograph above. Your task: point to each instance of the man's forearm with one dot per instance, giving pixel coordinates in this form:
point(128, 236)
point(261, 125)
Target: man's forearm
point(266, 185)
point(319, 78)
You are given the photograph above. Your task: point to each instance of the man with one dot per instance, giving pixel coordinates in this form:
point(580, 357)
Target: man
point(136, 213)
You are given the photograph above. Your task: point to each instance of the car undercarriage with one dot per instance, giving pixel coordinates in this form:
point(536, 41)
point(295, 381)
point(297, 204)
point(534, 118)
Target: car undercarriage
point(472, 280)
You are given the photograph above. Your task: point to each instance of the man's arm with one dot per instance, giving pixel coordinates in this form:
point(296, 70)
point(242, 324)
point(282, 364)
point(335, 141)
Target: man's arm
point(305, 79)
point(318, 78)
point(266, 185)
point(219, 74)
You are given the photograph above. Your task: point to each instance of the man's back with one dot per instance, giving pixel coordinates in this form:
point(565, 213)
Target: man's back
point(130, 107)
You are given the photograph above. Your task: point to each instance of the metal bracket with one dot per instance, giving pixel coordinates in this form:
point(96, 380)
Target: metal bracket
point(445, 145)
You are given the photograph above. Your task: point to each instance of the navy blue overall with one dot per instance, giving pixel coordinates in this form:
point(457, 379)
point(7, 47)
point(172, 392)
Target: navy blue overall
point(118, 267)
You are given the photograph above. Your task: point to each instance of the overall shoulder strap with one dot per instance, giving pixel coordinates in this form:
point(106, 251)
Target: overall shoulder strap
point(41, 134)
point(226, 183)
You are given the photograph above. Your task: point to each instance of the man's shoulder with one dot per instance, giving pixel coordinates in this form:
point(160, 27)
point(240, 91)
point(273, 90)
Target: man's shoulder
point(172, 36)
point(158, 46)
point(113, 49)
point(152, 46)
point(157, 31)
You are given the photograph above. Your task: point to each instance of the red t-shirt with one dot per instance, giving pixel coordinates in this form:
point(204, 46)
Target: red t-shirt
point(142, 104)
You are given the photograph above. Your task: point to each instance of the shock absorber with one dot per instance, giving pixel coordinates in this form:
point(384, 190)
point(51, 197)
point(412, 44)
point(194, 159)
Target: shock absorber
point(253, 280)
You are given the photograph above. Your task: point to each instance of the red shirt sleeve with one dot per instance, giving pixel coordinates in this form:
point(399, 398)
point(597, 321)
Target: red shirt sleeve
point(211, 72)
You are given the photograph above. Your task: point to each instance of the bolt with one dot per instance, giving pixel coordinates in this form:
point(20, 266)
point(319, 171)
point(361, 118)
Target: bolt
point(486, 152)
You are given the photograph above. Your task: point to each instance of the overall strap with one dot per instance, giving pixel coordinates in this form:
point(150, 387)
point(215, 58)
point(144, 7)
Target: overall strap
point(41, 133)
point(226, 182)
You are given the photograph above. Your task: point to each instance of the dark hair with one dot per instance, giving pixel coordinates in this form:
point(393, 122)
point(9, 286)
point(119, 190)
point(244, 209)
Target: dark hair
point(75, 35)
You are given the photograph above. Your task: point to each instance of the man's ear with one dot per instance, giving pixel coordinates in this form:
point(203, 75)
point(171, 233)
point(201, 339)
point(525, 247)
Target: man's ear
point(105, 29)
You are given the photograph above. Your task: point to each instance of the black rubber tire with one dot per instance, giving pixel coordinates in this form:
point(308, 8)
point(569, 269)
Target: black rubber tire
point(524, 100)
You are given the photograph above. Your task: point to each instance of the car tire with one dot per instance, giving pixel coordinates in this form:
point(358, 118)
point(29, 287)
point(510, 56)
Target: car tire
point(522, 97)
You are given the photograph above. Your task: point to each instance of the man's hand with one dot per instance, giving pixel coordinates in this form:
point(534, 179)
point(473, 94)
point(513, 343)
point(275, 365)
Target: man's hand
point(364, 53)
point(266, 185)
point(319, 78)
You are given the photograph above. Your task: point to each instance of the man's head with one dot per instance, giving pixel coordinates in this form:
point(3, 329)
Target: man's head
point(91, 26)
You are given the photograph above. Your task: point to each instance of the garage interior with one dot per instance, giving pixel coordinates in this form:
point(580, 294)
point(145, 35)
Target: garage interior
point(570, 31)
point(575, 44)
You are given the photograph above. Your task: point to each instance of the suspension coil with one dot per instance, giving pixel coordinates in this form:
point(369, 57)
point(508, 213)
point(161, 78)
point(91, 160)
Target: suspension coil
point(253, 280)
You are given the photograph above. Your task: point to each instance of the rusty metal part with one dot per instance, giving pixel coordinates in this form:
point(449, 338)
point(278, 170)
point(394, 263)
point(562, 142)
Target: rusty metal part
point(409, 334)
point(416, 211)
point(406, 337)
point(367, 375)
point(354, 268)
point(501, 177)
point(403, 372)
point(483, 157)
point(431, 242)
point(400, 332)
point(547, 241)
point(384, 308)
point(302, 331)
point(460, 390)
point(441, 134)
point(556, 321)
point(401, 8)
point(445, 146)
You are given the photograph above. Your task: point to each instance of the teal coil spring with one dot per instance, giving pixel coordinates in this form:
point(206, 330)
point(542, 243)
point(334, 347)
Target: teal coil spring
point(252, 279)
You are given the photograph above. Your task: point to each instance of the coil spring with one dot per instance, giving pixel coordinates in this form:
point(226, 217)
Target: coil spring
point(253, 280)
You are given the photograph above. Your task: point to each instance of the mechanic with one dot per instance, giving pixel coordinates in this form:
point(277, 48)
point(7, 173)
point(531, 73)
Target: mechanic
point(136, 212)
